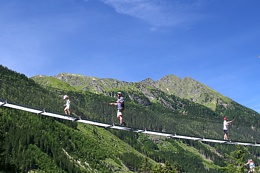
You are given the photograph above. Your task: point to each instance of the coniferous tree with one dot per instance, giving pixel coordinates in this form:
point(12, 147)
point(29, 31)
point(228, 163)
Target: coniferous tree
point(2, 162)
point(157, 168)
point(145, 167)
point(169, 168)
point(4, 167)
point(235, 161)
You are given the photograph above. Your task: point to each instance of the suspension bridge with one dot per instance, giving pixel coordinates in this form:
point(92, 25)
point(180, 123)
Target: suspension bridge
point(125, 128)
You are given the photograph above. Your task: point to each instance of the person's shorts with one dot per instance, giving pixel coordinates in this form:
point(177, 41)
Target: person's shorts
point(66, 108)
point(120, 112)
point(252, 170)
point(225, 131)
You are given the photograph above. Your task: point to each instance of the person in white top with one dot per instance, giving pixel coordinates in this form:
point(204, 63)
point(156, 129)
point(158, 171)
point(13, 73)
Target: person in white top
point(226, 123)
point(67, 105)
point(251, 165)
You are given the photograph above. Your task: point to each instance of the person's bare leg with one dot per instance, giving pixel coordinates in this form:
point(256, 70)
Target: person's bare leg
point(226, 137)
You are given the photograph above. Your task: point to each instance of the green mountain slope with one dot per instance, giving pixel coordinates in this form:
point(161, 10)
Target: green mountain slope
point(148, 92)
point(42, 143)
point(36, 142)
point(186, 88)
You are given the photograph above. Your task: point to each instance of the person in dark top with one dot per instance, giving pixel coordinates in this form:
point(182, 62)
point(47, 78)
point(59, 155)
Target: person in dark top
point(120, 107)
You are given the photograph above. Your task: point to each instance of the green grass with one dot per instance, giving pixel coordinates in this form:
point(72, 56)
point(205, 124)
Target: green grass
point(112, 144)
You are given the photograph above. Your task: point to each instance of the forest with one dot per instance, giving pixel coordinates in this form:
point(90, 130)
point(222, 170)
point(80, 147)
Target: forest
point(36, 143)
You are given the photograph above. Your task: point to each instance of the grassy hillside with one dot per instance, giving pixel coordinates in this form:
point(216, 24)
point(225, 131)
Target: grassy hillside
point(186, 88)
point(42, 143)
point(148, 100)
point(46, 144)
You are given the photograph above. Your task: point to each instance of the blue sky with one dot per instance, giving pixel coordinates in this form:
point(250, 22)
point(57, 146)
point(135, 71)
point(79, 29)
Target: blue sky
point(216, 42)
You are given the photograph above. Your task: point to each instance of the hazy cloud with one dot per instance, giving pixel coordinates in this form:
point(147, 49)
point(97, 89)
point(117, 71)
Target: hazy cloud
point(157, 12)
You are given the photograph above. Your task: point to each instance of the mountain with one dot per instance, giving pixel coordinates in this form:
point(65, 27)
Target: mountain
point(43, 144)
point(190, 89)
point(143, 92)
point(193, 102)
point(37, 143)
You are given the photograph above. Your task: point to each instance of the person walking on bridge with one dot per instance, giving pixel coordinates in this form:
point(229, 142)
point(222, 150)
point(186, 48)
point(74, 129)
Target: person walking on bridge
point(120, 107)
point(67, 105)
point(226, 123)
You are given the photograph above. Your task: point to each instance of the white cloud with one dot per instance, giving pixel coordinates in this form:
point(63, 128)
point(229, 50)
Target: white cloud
point(159, 13)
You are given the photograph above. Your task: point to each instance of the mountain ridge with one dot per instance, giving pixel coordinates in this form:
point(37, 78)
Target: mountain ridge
point(186, 88)
point(148, 93)
point(146, 107)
